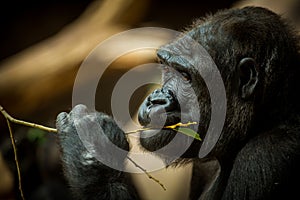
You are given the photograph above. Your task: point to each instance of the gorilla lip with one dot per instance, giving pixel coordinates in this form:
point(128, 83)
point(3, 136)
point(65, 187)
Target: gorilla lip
point(159, 120)
point(155, 109)
point(179, 127)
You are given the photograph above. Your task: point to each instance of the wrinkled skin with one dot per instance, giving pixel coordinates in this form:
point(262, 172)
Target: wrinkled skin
point(258, 153)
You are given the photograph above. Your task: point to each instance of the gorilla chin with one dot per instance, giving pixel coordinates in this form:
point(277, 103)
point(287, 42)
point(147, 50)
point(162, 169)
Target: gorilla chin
point(157, 137)
point(169, 144)
point(150, 138)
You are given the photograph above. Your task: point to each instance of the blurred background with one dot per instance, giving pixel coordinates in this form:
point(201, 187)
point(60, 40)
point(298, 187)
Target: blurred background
point(42, 46)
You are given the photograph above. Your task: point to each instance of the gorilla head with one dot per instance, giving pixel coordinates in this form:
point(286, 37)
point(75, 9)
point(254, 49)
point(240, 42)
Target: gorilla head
point(256, 54)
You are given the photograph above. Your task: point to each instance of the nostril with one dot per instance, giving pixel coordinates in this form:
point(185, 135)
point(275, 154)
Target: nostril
point(148, 103)
point(157, 91)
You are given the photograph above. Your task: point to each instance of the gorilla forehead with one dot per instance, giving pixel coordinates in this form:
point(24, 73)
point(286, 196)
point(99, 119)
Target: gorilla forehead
point(244, 32)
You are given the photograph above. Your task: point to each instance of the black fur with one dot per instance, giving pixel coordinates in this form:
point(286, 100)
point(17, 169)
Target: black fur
point(89, 178)
point(258, 153)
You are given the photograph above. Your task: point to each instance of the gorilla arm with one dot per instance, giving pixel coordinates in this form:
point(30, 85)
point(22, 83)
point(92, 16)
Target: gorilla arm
point(267, 167)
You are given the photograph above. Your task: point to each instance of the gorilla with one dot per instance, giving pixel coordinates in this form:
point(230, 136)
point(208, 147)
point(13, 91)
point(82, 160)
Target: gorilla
point(257, 155)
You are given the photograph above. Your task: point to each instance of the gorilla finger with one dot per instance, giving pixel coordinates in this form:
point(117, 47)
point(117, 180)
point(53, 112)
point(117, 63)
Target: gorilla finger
point(62, 121)
point(79, 111)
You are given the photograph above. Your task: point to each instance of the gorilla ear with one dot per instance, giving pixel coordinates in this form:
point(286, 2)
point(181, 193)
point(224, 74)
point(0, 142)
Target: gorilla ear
point(248, 77)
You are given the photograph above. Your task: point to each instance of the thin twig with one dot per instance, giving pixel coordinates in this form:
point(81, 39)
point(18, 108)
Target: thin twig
point(16, 158)
point(138, 130)
point(33, 125)
point(13, 120)
point(168, 127)
point(10, 119)
point(53, 130)
point(149, 175)
point(180, 125)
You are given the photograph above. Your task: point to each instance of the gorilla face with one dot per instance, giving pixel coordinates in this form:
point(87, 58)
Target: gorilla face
point(177, 100)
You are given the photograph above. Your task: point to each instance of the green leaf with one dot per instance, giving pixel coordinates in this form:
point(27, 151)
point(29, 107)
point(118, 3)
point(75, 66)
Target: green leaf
point(36, 135)
point(188, 132)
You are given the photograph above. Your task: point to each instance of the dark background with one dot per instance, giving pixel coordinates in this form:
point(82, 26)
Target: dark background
point(26, 23)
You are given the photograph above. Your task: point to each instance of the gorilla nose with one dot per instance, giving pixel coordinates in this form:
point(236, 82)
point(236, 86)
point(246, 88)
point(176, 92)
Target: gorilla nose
point(159, 102)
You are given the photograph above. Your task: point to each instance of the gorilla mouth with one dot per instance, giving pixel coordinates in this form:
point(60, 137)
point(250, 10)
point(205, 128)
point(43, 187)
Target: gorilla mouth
point(161, 139)
point(160, 120)
point(157, 137)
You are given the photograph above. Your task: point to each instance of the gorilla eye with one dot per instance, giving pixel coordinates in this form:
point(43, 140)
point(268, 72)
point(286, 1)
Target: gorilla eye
point(166, 69)
point(185, 76)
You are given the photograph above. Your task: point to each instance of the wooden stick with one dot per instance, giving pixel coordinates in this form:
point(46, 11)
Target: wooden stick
point(16, 157)
point(33, 125)
point(21, 122)
point(149, 175)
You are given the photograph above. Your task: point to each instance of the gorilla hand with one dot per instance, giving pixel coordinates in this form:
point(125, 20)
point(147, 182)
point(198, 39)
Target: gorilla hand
point(87, 140)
